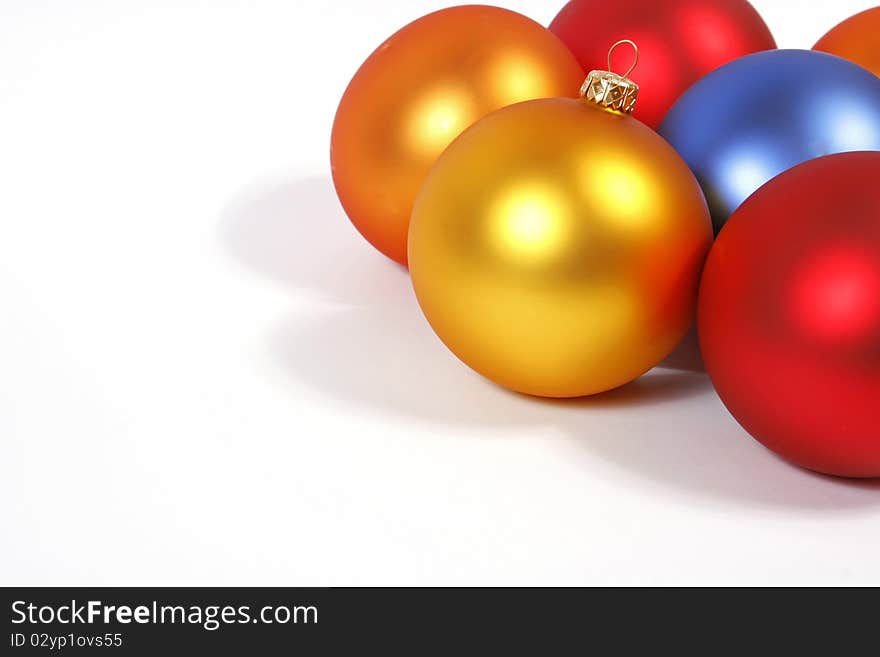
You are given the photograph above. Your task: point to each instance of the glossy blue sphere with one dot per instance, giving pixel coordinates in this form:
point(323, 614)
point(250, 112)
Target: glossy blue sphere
point(763, 114)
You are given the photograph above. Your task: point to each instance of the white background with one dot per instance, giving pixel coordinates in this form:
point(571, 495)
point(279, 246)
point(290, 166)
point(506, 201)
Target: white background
point(207, 377)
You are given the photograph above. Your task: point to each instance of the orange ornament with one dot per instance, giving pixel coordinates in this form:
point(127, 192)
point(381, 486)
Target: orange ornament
point(421, 89)
point(856, 39)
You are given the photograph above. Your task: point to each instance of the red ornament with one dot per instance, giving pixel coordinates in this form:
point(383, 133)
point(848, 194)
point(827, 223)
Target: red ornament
point(680, 41)
point(789, 315)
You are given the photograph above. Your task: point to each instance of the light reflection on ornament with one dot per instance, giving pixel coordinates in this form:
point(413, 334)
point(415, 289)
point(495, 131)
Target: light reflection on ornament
point(438, 117)
point(516, 78)
point(711, 33)
point(745, 171)
point(836, 295)
point(531, 220)
point(850, 126)
point(621, 190)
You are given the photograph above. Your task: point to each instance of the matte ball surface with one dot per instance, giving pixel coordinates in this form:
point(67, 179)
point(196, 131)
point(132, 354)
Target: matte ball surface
point(763, 114)
point(856, 39)
point(680, 41)
point(418, 91)
point(789, 315)
point(556, 248)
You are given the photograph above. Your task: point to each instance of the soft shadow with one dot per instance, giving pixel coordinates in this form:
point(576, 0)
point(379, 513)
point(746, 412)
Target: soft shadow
point(686, 355)
point(660, 385)
point(387, 357)
point(298, 235)
point(374, 349)
point(696, 447)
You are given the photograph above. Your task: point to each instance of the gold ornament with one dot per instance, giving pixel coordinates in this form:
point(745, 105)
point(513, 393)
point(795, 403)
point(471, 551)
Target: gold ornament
point(556, 246)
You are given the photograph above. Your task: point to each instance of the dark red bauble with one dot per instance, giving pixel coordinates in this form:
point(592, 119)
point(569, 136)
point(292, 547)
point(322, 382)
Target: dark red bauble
point(679, 41)
point(789, 314)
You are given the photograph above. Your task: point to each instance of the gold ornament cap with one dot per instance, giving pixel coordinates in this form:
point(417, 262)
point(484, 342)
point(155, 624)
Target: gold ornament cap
point(610, 90)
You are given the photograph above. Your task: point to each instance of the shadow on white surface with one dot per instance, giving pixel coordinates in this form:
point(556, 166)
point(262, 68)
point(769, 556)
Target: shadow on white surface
point(372, 348)
point(387, 358)
point(298, 235)
point(686, 355)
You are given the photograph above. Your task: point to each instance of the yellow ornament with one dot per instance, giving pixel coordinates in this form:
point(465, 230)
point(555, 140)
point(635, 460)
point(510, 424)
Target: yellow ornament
point(556, 246)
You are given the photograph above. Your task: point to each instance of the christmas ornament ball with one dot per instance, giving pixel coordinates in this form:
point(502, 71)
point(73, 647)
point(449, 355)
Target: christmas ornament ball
point(765, 113)
point(856, 39)
point(789, 315)
point(680, 41)
point(418, 91)
point(556, 247)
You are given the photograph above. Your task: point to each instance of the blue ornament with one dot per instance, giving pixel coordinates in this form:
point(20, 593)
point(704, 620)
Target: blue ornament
point(763, 114)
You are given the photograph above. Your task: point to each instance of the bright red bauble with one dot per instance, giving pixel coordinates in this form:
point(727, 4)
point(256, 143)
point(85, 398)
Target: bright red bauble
point(679, 41)
point(789, 315)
